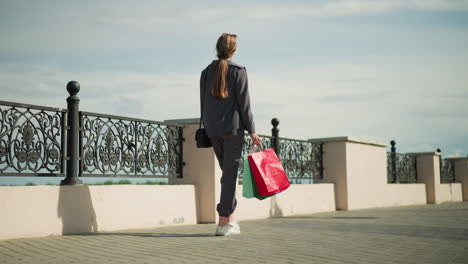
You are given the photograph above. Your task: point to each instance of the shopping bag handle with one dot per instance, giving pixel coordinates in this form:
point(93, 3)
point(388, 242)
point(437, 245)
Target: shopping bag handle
point(254, 146)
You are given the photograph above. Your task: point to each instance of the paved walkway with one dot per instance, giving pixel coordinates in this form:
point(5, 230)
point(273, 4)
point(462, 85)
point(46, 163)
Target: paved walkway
point(414, 234)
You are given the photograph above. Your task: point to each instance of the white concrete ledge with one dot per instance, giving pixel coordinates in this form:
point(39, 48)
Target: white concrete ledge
point(185, 121)
point(428, 153)
point(348, 139)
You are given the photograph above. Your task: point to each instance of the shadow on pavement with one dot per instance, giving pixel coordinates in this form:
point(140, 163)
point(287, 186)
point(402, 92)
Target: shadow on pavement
point(333, 217)
point(353, 217)
point(143, 234)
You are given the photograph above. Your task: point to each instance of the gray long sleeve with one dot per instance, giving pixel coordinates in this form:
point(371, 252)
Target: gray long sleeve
point(242, 90)
point(202, 87)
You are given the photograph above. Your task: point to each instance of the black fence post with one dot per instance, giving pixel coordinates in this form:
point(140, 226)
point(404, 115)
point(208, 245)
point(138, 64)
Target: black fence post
point(73, 128)
point(181, 151)
point(275, 136)
point(393, 151)
point(321, 161)
point(416, 168)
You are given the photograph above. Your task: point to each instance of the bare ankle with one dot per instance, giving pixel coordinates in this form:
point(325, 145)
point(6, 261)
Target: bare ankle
point(223, 220)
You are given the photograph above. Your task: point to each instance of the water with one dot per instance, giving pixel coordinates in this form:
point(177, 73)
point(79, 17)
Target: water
point(22, 181)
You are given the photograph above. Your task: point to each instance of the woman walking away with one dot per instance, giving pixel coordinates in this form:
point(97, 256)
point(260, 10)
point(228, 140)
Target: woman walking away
point(226, 114)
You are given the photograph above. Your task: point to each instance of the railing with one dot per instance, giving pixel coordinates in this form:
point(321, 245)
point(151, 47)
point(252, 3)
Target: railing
point(401, 168)
point(31, 140)
point(45, 141)
point(121, 147)
point(405, 171)
point(302, 160)
point(447, 171)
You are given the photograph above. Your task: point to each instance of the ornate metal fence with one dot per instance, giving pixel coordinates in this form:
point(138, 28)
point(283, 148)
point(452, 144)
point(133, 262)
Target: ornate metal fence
point(405, 168)
point(302, 160)
point(447, 170)
point(401, 168)
point(121, 146)
point(45, 141)
point(31, 140)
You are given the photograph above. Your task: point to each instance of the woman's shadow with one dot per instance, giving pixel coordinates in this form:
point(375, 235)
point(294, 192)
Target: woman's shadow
point(76, 210)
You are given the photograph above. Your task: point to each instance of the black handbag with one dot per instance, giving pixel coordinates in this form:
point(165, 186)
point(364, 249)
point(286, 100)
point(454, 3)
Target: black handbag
point(203, 141)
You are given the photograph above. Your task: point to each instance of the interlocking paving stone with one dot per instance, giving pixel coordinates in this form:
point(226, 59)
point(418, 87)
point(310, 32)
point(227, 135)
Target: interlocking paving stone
point(412, 234)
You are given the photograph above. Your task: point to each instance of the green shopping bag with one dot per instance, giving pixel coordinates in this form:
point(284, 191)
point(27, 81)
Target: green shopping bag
point(249, 189)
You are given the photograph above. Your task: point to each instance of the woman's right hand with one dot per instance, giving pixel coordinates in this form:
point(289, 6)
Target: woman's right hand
point(256, 140)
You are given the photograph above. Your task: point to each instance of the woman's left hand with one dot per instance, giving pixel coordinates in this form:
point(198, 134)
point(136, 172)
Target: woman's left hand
point(256, 140)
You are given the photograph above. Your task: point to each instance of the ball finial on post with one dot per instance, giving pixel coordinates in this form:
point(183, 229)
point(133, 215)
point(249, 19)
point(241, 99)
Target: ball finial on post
point(275, 122)
point(73, 88)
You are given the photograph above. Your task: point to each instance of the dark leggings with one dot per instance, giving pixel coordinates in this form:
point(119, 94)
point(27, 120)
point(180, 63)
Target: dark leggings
point(228, 151)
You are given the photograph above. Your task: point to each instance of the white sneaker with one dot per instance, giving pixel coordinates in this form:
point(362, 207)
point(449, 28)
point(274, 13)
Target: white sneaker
point(230, 229)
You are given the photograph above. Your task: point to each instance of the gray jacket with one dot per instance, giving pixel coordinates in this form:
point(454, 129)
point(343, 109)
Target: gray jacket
point(231, 115)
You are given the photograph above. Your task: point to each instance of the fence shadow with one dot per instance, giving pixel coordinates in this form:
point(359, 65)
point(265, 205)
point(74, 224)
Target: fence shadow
point(76, 210)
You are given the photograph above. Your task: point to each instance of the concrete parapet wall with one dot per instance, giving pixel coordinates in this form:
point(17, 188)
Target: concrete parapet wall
point(404, 194)
point(367, 180)
point(429, 173)
point(297, 199)
point(202, 170)
point(359, 172)
point(355, 177)
point(449, 192)
point(35, 211)
point(366, 175)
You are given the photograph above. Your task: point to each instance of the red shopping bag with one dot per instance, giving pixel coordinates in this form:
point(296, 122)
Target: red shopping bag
point(268, 172)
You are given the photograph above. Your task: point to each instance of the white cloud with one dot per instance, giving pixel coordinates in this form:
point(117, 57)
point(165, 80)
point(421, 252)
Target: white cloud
point(255, 12)
point(143, 95)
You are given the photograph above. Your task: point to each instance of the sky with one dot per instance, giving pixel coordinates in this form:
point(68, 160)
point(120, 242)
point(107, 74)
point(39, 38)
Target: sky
point(373, 70)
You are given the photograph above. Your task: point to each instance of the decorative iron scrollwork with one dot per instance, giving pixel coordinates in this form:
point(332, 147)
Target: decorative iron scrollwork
point(447, 170)
point(103, 145)
point(391, 176)
point(30, 140)
point(302, 160)
point(130, 147)
point(405, 168)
